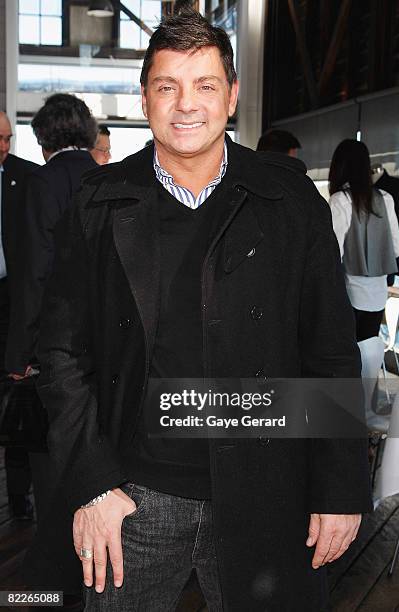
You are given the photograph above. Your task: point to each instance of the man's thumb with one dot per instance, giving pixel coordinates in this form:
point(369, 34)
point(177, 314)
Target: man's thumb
point(314, 529)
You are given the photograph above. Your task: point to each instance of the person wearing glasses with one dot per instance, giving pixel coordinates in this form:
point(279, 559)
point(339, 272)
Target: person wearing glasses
point(101, 153)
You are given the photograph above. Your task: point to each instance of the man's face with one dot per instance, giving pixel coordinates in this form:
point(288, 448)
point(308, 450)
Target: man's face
point(5, 137)
point(187, 101)
point(102, 149)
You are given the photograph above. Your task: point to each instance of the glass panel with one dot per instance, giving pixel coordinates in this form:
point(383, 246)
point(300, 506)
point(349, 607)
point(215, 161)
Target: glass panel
point(133, 5)
point(51, 7)
point(129, 35)
point(127, 140)
point(90, 79)
point(31, 7)
point(124, 142)
point(29, 28)
point(145, 39)
point(50, 31)
point(26, 144)
point(151, 10)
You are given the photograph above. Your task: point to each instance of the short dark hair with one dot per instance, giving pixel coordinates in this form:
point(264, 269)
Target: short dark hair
point(279, 141)
point(64, 121)
point(103, 129)
point(189, 31)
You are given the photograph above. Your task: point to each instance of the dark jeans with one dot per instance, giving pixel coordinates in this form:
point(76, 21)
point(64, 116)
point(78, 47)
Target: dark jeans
point(367, 323)
point(162, 541)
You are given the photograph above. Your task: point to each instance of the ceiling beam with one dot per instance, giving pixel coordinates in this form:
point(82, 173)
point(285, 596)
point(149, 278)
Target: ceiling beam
point(335, 44)
point(133, 17)
point(305, 58)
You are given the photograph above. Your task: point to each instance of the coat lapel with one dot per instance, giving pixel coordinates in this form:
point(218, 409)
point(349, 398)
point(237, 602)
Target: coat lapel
point(241, 244)
point(131, 195)
point(244, 231)
point(136, 236)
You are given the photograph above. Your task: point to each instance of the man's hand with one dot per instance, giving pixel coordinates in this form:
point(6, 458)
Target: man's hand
point(333, 533)
point(97, 528)
point(28, 372)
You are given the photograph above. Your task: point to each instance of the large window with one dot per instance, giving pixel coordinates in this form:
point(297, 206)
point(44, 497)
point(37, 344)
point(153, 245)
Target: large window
point(131, 36)
point(40, 22)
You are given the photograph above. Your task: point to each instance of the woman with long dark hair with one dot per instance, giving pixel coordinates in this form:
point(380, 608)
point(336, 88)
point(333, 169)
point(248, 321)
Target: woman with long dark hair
point(367, 231)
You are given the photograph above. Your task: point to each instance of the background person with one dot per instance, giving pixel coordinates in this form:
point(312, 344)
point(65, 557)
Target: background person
point(279, 141)
point(367, 231)
point(65, 130)
point(101, 152)
point(14, 173)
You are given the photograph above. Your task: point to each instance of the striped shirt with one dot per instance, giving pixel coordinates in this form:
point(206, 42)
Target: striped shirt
point(184, 195)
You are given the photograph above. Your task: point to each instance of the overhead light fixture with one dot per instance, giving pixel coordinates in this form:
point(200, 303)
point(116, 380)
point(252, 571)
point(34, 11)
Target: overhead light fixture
point(100, 8)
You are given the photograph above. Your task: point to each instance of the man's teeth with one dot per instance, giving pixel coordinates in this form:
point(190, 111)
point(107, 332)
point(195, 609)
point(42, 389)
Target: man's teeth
point(187, 126)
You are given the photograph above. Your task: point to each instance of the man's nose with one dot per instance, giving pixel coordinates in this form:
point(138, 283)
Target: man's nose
point(186, 100)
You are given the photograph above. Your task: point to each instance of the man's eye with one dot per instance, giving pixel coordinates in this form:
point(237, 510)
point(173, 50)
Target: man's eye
point(207, 87)
point(166, 88)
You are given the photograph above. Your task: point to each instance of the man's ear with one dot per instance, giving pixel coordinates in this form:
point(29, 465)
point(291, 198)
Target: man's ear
point(233, 98)
point(144, 101)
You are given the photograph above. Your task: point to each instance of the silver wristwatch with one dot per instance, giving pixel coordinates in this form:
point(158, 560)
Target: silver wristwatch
point(96, 500)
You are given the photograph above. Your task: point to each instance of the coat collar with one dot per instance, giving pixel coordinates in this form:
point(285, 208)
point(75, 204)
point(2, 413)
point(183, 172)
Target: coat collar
point(134, 176)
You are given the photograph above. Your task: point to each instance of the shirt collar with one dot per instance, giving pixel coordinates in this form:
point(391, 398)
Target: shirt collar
point(63, 151)
point(164, 176)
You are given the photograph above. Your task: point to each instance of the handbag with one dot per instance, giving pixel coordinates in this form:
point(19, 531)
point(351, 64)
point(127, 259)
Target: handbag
point(23, 418)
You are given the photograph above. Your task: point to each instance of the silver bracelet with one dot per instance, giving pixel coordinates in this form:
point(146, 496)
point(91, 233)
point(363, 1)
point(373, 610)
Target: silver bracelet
point(96, 500)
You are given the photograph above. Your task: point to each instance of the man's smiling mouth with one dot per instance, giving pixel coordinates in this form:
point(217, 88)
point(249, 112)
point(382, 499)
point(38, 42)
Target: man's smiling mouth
point(187, 126)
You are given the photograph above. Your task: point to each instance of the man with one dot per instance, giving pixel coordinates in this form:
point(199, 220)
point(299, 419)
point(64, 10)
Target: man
point(279, 141)
point(170, 266)
point(14, 173)
point(101, 152)
point(65, 129)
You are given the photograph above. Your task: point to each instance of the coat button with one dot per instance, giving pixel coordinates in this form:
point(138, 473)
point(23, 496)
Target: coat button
point(256, 313)
point(251, 253)
point(115, 379)
point(125, 323)
point(261, 377)
point(263, 441)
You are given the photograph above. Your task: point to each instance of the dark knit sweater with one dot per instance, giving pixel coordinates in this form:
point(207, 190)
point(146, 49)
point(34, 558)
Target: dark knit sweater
point(179, 466)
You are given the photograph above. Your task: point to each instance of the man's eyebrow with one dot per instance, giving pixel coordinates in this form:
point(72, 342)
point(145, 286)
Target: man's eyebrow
point(209, 77)
point(166, 78)
point(170, 79)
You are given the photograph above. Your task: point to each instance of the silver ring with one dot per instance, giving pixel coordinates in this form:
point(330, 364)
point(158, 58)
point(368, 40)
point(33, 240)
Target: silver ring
point(86, 553)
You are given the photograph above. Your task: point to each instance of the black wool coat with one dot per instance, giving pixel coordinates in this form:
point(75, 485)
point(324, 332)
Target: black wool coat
point(98, 325)
point(49, 191)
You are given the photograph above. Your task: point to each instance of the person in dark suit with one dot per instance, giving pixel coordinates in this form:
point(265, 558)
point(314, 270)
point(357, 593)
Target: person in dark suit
point(14, 173)
point(279, 141)
point(65, 129)
point(194, 258)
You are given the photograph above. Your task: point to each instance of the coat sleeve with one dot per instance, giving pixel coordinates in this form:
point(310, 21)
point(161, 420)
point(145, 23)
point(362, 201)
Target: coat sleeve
point(339, 471)
point(87, 463)
point(32, 265)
